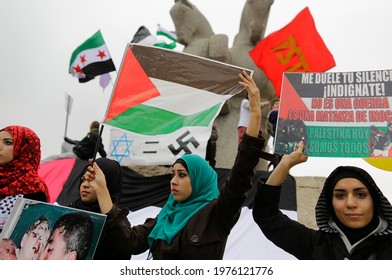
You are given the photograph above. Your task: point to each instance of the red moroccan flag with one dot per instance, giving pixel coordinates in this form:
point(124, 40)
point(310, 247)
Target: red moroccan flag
point(297, 47)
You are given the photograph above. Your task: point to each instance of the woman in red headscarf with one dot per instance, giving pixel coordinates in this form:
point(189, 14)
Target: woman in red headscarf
point(20, 155)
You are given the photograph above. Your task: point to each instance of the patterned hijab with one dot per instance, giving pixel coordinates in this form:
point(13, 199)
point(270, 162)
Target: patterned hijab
point(20, 176)
point(113, 176)
point(175, 215)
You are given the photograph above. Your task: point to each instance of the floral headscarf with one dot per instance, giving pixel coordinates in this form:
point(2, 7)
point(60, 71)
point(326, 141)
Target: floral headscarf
point(20, 176)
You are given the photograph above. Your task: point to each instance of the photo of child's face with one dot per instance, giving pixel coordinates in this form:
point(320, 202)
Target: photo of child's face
point(34, 241)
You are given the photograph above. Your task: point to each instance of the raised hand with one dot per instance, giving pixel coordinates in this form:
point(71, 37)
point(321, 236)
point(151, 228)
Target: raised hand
point(287, 162)
point(254, 103)
point(97, 181)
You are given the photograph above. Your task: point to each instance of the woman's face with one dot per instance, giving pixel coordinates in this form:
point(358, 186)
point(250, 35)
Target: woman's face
point(180, 183)
point(87, 193)
point(352, 203)
point(6, 147)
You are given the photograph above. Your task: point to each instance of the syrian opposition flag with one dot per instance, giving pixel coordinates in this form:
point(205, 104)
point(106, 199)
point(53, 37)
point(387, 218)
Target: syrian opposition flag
point(144, 37)
point(297, 47)
point(91, 59)
point(164, 103)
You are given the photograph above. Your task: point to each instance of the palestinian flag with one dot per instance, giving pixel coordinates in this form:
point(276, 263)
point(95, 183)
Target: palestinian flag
point(164, 102)
point(91, 59)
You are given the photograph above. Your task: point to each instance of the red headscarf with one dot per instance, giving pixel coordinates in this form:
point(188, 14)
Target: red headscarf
point(20, 176)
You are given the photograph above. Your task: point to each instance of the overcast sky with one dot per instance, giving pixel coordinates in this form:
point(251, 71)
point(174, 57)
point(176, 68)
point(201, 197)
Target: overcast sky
point(39, 36)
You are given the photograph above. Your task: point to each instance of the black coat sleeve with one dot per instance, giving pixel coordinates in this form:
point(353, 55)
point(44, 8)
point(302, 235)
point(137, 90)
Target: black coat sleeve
point(233, 191)
point(289, 235)
point(126, 239)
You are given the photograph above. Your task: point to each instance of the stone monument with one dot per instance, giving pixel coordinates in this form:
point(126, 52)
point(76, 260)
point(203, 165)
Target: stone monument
point(196, 34)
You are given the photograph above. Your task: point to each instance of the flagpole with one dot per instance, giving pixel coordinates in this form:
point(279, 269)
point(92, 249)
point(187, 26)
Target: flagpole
point(66, 126)
point(99, 140)
point(111, 96)
point(66, 119)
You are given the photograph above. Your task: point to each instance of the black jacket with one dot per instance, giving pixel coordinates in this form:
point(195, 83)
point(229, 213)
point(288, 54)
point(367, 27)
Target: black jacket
point(84, 149)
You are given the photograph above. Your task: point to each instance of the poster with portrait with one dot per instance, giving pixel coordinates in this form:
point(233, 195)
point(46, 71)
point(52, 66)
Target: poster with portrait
point(336, 114)
point(37, 230)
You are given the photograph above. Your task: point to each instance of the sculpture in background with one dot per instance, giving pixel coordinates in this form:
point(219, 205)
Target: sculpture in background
point(196, 34)
point(252, 29)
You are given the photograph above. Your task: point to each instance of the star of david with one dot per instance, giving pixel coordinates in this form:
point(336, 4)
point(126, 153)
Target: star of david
point(126, 144)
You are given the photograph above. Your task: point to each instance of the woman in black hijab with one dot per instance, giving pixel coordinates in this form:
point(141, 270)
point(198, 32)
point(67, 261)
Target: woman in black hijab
point(353, 216)
point(88, 201)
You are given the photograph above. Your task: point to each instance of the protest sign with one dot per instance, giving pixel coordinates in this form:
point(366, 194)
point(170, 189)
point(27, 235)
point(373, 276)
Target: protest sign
point(46, 231)
point(336, 114)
